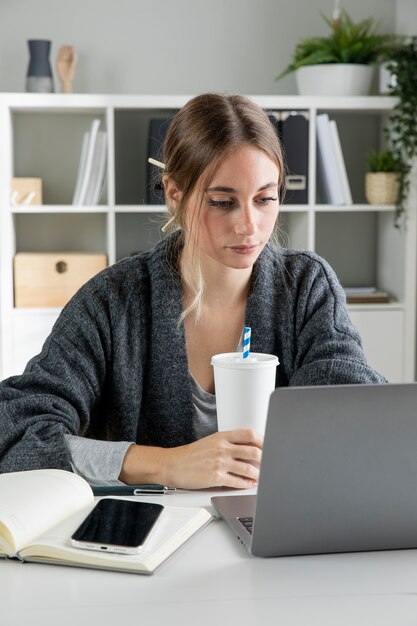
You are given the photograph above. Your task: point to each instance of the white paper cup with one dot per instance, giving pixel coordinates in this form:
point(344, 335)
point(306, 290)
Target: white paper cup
point(243, 388)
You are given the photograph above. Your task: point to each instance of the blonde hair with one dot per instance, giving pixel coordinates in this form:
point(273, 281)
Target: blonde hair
point(201, 134)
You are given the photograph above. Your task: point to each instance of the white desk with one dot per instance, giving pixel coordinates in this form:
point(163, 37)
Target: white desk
point(213, 580)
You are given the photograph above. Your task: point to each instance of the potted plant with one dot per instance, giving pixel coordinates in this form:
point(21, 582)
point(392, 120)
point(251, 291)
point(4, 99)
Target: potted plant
point(382, 180)
point(341, 63)
point(401, 131)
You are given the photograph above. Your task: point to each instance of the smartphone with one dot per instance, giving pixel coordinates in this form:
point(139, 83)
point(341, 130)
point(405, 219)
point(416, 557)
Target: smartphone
point(117, 526)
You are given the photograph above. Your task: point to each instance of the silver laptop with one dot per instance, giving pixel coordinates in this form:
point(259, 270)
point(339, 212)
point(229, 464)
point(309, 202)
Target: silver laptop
point(338, 473)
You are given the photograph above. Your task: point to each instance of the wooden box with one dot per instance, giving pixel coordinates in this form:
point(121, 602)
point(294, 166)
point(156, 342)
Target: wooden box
point(51, 279)
point(26, 191)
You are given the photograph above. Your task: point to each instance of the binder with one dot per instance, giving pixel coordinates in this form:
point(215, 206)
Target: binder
point(293, 130)
point(157, 131)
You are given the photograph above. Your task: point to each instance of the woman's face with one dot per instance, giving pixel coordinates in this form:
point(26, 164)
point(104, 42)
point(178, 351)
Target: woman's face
point(240, 207)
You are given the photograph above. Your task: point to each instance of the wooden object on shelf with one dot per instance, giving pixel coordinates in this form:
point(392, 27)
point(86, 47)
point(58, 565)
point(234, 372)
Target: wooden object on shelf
point(50, 279)
point(65, 65)
point(26, 191)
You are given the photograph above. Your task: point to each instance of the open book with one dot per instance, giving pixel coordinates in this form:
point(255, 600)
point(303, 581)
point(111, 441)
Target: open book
point(40, 509)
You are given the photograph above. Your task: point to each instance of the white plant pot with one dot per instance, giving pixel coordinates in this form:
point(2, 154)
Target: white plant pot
point(386, 79)
point(334, 79)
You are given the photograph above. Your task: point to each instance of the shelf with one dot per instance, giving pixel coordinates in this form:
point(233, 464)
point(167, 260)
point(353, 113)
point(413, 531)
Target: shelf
point(294, 208)
point(140, 208)
point(352, 208)
point(83, 103)
point(57, 208)
point(42, 136)
point(41, 311)
point(362, 104)
point(381, 306)
point(86, 103)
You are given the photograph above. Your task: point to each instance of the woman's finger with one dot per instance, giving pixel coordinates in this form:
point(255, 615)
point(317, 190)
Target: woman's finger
point(247, 436)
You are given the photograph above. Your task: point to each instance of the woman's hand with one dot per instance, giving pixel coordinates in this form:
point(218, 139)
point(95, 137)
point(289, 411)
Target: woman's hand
point(224, 459)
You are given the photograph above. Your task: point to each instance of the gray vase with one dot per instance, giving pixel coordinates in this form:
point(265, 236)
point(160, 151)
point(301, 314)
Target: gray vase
point(39, 75)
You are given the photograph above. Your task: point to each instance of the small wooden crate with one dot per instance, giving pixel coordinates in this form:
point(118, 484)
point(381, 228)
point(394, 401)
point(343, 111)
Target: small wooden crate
point(26, 191)
point(51, 279)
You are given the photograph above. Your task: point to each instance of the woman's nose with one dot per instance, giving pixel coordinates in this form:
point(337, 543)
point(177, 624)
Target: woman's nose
point(246, 224)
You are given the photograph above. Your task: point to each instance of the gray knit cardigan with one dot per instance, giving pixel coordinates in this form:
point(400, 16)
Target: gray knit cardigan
point(115, 365)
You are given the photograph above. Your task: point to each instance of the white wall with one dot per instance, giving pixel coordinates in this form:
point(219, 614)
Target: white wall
point(406, 17)
point(172, 46)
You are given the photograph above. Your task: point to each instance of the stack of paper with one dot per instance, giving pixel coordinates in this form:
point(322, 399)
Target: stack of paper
point(92, 167)
point(366, 295)
point(331, 164)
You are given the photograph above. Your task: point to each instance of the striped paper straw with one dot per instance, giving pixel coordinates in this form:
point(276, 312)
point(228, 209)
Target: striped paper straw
point(246, 342)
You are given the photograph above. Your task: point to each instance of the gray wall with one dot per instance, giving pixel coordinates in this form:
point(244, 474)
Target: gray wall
point(407, 17)
point(172, 46)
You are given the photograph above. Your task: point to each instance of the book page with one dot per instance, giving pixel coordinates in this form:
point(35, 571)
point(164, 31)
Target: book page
point(172, 529)
point(32, 502)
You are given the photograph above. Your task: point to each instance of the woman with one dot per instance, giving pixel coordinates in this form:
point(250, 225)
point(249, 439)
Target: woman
point(123, 388)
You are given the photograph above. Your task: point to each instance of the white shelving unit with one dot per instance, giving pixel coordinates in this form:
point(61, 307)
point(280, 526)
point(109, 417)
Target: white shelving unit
point(41, 134)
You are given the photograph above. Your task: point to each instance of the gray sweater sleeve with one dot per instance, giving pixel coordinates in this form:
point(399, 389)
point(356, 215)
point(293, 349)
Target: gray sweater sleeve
point(329, 348)
point(99, 462)
point(57, 393)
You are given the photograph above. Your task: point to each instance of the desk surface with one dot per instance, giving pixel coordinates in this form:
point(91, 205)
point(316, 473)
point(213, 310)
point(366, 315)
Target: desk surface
point(213, 580)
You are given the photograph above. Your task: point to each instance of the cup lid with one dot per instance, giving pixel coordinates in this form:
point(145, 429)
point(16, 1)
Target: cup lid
point(234, 360)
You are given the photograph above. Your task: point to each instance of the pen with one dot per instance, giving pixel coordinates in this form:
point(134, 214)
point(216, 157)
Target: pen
point(130, 490)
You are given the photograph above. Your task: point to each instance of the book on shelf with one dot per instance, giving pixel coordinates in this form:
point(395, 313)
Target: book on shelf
point(366, 295)
point(92, 166)
point(98, 171)
point(327, 163)
point(40, 509)
point(340, 162)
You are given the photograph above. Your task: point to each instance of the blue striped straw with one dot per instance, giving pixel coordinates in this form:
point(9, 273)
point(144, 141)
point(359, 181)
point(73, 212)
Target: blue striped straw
point(246, 342)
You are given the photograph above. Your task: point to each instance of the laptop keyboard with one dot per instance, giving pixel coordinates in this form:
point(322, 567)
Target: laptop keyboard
point(247, 522)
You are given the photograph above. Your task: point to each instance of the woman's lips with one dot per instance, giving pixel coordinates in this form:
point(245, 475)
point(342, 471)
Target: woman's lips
point(244, 249)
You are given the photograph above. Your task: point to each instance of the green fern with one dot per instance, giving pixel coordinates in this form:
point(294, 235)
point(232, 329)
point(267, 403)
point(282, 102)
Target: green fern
point(383, 161)
point(348, 42)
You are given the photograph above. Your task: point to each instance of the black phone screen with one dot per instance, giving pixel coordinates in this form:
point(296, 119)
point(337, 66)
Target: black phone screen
point(118, 522)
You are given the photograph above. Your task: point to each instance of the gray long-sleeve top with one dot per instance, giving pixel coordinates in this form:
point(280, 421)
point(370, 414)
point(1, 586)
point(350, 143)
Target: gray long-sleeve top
point(115, 365)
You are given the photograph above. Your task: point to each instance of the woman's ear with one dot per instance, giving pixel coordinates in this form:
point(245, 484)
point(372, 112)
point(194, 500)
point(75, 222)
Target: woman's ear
point(173, 194)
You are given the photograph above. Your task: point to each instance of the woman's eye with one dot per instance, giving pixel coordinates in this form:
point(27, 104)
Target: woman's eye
point(267, 200)
point(221, 204)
